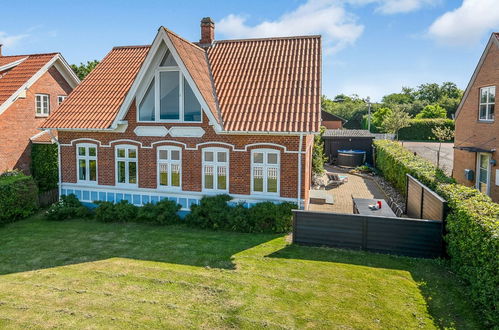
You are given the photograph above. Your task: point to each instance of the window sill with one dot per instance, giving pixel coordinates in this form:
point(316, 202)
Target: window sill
point(88, 183)
point(41, 116)
point(168, 188)
point(485, 121)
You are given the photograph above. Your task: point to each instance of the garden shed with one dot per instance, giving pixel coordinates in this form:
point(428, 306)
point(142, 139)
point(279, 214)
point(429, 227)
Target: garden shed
point(348, 139)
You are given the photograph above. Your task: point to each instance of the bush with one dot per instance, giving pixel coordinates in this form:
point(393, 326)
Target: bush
point(123, 211)
point(44, 166)
point(421, 129)
point(18, 196)
point(67, 207)
point(432, 111)
point(214, 212)
point(161, 213)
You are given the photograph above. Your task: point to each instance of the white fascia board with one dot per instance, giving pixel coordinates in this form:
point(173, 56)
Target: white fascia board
point(65, 69)
point(12, 64)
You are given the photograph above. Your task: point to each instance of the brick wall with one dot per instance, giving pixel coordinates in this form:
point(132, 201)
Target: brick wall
point(239, 167)
point(18, 122)
point(332, 124)
point(471, 132)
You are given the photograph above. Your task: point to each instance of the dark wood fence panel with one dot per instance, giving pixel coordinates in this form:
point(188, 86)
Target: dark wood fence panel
point(402, 236)
point(48, 197)
point(422, 202)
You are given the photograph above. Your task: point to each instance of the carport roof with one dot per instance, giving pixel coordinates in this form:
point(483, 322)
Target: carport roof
point(347, 133)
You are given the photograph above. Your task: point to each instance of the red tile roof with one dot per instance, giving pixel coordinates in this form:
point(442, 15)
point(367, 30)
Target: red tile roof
point(95, 102)
point(269, 85)
point(14, 78)
point(43, 137)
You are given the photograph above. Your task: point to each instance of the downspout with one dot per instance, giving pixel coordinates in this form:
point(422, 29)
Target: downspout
point(60, 164)
point(299, 171)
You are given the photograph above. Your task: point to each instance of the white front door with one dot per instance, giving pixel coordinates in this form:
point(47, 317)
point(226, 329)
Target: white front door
point(483, 173)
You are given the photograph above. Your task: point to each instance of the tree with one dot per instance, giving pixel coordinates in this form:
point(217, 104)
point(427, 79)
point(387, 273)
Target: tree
point(351, 108)
point(442, 134)
point(432, 111)
point(318, 156)
point(396, 120)
point(429, 92)
point(83, 70)
point(378, 116)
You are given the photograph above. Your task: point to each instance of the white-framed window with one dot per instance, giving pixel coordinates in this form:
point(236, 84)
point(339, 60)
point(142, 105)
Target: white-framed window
point(216, 169)
point(170, 167)
point(126, 165)
point(483, 173)
point(61, 98)
point(487, 103)
point(265, 171)
point(42, 104)
point(168, 97)
point(86, 161)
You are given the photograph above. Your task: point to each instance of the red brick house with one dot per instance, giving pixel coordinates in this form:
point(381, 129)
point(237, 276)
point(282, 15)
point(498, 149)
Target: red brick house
point(477, 130)
point(180, 120)
point(331, 121)
point(31, 87)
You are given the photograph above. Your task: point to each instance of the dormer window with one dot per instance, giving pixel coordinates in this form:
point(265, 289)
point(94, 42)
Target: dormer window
point(169, 97)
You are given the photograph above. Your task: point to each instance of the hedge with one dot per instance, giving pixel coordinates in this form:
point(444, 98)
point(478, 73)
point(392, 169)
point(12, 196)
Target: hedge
point(18, 197)
point(420, 129)
point(472, 224)
point(44, 166)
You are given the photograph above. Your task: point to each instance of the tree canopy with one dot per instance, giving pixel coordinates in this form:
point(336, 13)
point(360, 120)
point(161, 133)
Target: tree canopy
point(84, 69)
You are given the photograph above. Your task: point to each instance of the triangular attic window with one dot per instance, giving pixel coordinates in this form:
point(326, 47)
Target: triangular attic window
point(168, 60)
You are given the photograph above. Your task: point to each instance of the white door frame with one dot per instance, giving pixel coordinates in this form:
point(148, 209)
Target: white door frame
point(477, 183)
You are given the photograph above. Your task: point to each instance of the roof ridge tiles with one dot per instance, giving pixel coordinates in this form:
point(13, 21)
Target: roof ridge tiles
point(38, 54)
point(315, 36)
point(133, 46)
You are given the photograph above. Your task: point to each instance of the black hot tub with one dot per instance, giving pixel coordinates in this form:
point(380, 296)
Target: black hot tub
point(351, 158)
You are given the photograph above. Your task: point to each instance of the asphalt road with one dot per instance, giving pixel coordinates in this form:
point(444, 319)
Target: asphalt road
point(429, 151)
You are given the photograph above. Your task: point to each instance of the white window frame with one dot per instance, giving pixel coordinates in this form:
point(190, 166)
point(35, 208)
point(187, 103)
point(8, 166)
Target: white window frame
point(127, 161)
point(265, 165)
point(478, 174)
point(157, 85)
point(216, 164)
point(487, 103)
point(61, 98)
point(169, 162)
point(44, 112)
point(87, 159)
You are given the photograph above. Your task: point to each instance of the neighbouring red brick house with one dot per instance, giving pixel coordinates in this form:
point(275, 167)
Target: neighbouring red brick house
point(31, 86)
point(477, 130)
point(181, 120)
point(331, 121)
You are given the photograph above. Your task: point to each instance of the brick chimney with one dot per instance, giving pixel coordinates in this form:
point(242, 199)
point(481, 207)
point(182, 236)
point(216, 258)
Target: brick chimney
point(1, 49)
point(207, 31)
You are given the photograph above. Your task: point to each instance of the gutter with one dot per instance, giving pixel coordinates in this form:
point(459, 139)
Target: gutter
point(299, 171)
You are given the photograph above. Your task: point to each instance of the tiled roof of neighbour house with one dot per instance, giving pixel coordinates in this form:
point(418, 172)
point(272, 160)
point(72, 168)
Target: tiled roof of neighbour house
point(271, 84)
point(16, 77)
point(347, 133)
point(95, 102)
point(44, 137)
point(327, 116)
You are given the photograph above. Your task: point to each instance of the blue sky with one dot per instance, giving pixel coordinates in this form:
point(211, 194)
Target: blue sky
point(371, 47)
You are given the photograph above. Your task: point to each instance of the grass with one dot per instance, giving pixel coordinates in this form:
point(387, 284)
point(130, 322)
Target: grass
point(87, 274)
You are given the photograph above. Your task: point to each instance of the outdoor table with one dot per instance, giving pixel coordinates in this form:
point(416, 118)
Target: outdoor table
point(361, 206)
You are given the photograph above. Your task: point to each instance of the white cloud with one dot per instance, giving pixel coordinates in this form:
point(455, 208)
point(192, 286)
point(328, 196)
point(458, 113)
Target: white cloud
point(327, 17)
point(390, 7)
point(466, 24)
point(11, 40)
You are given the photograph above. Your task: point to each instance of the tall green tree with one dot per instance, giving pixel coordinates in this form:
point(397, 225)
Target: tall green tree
point(396, 120)
point(432, 111)
point(84, 69)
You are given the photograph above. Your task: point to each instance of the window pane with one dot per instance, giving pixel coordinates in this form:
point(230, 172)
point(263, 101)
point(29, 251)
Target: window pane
point(132, 153)
point(146, 106)
point(81, 151)
point(175, 175)
point(92, 151)
point(132, 172)
point(272, 158)
point(175, 155)
point(483, 95)
point(491, 111)
point(192, 108)
point(492, 95)
point(82, 169)
point(258, 158)
point(121, 172)
point(121, 152)
point(483, 111)
point(258, 179)
point(272, 180)
point(208, 177)
point(163, 154)
point(163, 174)
point(169, 95)
point(208, 156)
point(168, 60)
point(92, 165)
point(222, 178)
point(222, 157)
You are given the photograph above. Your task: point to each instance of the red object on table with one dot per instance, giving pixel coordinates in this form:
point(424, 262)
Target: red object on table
point(379, 204)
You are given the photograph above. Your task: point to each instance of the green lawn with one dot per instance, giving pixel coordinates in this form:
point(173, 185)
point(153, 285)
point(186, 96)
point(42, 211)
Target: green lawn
point(88, 274)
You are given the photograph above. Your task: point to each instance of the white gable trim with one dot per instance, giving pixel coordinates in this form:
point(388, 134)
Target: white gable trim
point(492, 41)
point(12, 64)
point(61, 65)
point(162, 36)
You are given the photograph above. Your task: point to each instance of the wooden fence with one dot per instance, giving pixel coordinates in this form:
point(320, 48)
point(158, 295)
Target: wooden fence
point(422, 202)
point(402, 236)
point(48, 197)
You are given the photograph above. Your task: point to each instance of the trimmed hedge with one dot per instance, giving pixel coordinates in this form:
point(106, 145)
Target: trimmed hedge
point(18, 196)
point(472, 224)
point(420, 129)
point(44, 166)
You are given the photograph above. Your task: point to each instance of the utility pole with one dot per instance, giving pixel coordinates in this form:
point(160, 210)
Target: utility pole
point(368, 99)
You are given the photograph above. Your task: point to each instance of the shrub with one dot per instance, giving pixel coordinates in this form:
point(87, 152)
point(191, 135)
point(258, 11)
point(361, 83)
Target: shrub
point(67, 207)
point(214, 212)
point(161, 213)
point(44, 166)
point(122, 211)
point(432, 111)
point(421, 129)
point(18, 196)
